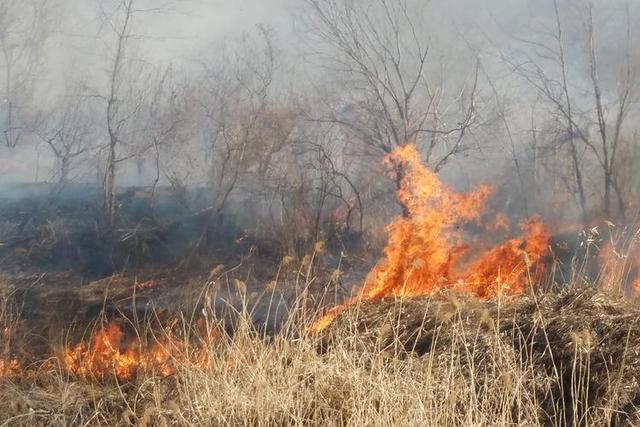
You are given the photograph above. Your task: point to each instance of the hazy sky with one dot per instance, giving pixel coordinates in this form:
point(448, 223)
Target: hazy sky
point(184, 27)
point(183, 31)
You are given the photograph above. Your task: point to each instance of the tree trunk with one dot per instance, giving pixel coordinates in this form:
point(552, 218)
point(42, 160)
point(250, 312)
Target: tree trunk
point(64, 169)
point(607, 194)
point(578, 174)
point(400, 174)
point(110, 184)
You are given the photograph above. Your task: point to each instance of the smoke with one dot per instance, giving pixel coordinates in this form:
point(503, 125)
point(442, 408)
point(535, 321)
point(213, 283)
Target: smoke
point(495, 37)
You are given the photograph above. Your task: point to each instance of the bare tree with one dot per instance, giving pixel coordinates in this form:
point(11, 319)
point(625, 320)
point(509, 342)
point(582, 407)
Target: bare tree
point(68, 131)
point(24, 29)
point(246, 126)
point(546, 69)
point(163, 120)
point(115, 121)
point(394, 96)
point(137, 98)
point(334, 180)
point(609, 144)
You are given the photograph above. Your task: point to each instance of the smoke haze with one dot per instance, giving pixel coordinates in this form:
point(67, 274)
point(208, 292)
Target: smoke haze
point(187, 48)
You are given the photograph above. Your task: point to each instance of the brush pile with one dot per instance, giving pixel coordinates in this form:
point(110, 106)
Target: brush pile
point(580, 347)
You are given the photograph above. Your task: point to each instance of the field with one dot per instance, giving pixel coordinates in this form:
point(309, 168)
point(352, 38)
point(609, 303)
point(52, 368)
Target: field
point(561, 357)
point(319, 212)
point(153, 325)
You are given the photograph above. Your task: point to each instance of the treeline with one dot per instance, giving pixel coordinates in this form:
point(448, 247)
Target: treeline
point(287, 136)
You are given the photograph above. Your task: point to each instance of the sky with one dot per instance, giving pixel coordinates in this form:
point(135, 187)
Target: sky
point(181, 32)
point(183, 28)
point(176, 33)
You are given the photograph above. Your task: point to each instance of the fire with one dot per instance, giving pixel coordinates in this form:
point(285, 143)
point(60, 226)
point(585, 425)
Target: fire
point(632, 267)
point(634, 255)
point(512, 266)
point(108, 354)
point(619, 263)
point(427, 251)
point(9, 368)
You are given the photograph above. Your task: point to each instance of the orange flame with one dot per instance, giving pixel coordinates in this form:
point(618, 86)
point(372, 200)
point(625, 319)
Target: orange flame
point(9, 369)
point(426, 251)
point(109, 355)
point(619, 265)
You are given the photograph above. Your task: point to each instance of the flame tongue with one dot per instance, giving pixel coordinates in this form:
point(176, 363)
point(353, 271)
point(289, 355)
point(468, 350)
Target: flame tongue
point(109, 355)
point(105, 355)
point(512, 266)
point(426, 247)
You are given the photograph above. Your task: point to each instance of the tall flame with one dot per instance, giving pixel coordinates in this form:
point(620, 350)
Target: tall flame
point(426, 251)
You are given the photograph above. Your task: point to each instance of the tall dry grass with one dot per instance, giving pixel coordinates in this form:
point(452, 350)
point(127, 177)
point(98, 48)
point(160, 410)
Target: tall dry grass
point(291, 378)
point(283, 380)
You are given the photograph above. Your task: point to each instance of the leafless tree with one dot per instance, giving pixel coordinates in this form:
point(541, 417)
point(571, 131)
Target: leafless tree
point(163, 119)
point(24, 29)
point(137, 99)
point(68, 131)
point(114, 118)
point(609, 125)
point(395, 94)
point(339, 179)
point(546, 69)
point(245, 125)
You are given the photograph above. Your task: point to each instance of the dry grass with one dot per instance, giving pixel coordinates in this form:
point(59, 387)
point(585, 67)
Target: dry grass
point(555, 358)
point(253, 381)
point(420, 362)
point(575, 351)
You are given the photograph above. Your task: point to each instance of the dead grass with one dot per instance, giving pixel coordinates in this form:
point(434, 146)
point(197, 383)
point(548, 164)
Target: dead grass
point(555, 358)
point(565, 360)
point(254, 382)
point(575, 351)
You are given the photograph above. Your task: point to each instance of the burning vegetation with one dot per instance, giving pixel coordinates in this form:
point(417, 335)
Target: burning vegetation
point(109, 354)
point(249, 237)
point(453, 283)
point(113, 354)
point(10, 369)
point(454, 290)
point(429, 251)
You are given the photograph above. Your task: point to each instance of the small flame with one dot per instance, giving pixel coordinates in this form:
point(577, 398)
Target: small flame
point(109, 355)
point(9, 369)
point(426, 251)
point(619, 263)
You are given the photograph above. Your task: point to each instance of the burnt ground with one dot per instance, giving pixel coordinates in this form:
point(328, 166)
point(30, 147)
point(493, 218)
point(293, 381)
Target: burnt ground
point(167, 256)
point(62, 306)
point(64, 268)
